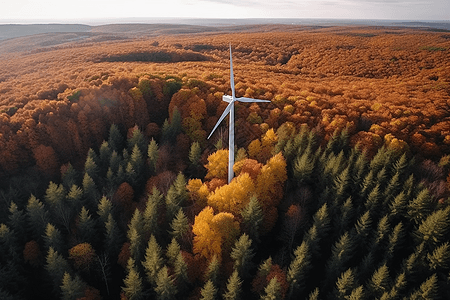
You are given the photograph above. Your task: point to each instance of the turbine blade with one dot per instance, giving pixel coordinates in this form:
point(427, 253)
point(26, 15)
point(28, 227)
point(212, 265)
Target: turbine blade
point(244, 99)
point(224, 114)
point(232, 75)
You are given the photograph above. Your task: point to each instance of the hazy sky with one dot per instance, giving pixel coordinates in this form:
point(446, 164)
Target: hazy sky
point(341, 9)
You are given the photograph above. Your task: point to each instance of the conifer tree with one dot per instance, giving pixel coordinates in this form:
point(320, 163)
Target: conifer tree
point(252, 218)
point(135, 235)
point(153, 260)
point(91, 168)
point(345, 284)
point(209, 291)
point(180, 226)
point(363, 228)
point(151, 212)
point(56, 266)
point(440, 258)
point(381, 236)
point(70, 176)
point(8, 244)
point(396, 238)
point(398, 206)
point(133, 289)
point(181, 272)
point(91, 193)
point(171, 129)
point(314, 294)
point(434, 229)
point(165, 285)
point(234, 287)
point(303, 167)
point(429, 289)
point(380, 282)
point(195, 153)
point(115, 161)
point(319, 229)
point(104, 156)
point(72, 289)
point(137, 139)
point(115, 139)
point(172, 251)
point(105, 208)
point(242, 254)
point(357, 294)
point(341, 253)
point(37, 216)
point(17, 222)
point(113, 237)
point(421, 206)
point(53, 238)
point(74, 199)
point(272, 290)
point(152, 154)
point(342, 183)
point(86, 227)
point(55, 198)
point(397, 288)
point(346, 216)
point(176, 196)
point(213, 271)
point(298, 270)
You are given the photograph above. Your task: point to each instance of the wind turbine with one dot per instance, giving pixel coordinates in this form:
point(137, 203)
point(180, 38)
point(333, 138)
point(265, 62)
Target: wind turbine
point(230, 109)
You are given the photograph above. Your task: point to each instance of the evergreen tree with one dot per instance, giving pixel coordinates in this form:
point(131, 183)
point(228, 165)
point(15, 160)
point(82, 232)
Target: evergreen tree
point(298, 270)
point(173, 249)
point(153, 260)
point(74, 199)
point(272, 290)
point(213, 271)
point(342, 184)
point(152, 211)
point(242, 254)
point(381, 236)
point(115, 161)
point(380, 282)
point(165, 285)
point(181, 272)
point(398, 206)
point(346, 216)
point(345, 284)
point(429, 290)
point(314, 294)
point(176, 196)
point(137, 139)
point(105, 208)
point(135, 235)
point(180, 226)
point(133, 289)
point(55, 198)
point(421, 206)
point(341, 253)
point(53, 238)
point(152, 154)
point(105, 156)
point(70, 177)
point(17, 222)
point(440, 258)
point(86, 231)
point(303, 167)
point(396, 238)
point(72, 289)
point(170, 130)
point(252, 218)
point(56, 266)
point(357, 294)
point(91, 167)
point(363, 228)
point(37, 216)
point(319, 229)
point(434, 229)
point(195, 154)
point(137, 164)
point(397, 289)
point(91, 193)
point(113, 237)
point(209, 291)
point(115, 139)
point(234, 287)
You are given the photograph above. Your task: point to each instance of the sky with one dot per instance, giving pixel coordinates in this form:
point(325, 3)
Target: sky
point(76, 10)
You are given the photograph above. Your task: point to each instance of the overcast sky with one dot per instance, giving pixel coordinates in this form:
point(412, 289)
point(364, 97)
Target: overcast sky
point(66, 10)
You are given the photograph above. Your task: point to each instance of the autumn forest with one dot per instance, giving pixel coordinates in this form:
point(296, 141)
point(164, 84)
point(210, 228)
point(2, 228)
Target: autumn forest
point(110, 189)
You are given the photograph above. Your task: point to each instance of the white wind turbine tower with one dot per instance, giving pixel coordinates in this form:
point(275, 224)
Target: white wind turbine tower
point(230, 109)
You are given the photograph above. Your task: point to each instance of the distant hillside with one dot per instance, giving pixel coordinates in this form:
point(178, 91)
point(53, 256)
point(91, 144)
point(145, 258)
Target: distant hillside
point(14, 30)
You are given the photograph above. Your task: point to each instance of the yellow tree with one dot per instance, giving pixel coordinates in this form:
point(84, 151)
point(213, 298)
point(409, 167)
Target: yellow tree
point(217, 165)
point(214, 234)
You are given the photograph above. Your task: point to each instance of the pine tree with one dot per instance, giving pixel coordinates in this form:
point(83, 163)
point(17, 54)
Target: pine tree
point(382, 234)
point(135, 235)
point(298, 269)
point(345, 284)
point(53, 238)
point(115, 161)
point(55, 198)
point(319, 229)
point(357, 294)
point(152, 154)
point(396, 238)
point(37, 216)
point(72, 289)
point(234, 287)
point(91, 193)
point(346, 216)
point(105, 208)
point(429, 290)
point(421, 206)
point(195, 153)
point(440, 258)
point(153, 260)
point(181, 272)
point(165, 285)
point(171, 129)
point(314, 294)
point(152, 211)
point(17, 222)
point(91, 168)
point(242, 254)
point(70, 176)
point(341, 253)
point(133, 289)
point(303, 167)
point(113, 237)
point(380, 282)
point(213, 271)
point(342, 183)
point(137, 139)
point(105, 156)
point(252, 218)
point(173, 249)
point(272, 290)
point(363, 228)
point(176, 196)
point(86, 227)
point(180, 226)
point(56, 266)
point(434, 229)
point(398, 287)
point(74, 199)
point(115, 139)
point(398, 206)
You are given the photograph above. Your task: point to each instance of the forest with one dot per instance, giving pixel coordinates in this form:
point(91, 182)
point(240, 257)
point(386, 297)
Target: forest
point(110, 189)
